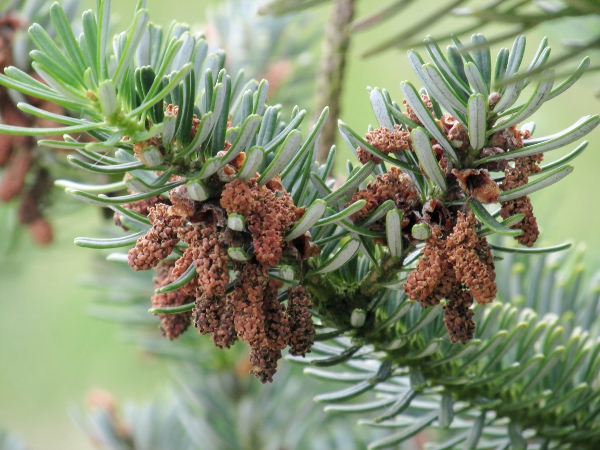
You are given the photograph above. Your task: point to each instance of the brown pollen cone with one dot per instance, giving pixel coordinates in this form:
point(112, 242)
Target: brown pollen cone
point(386, 141)
point(41, 230)
point(392, 185)
point(33, 198)
point(514, 177)
point(424, 279)
point(410, 112)
point(302, 327)
point(209, 253)
point(445, 287)
point(458, 316)
point(11, 115)
point(224, 334)
point(181, 265)
point(207, 313)
point(522, 205)
point(263, 360)
point(253, 287)
point(465, 251)
point(23, 173)
point(13, 178)
point(141, 207)
point(172, 325)
point(277, 324)
point(159, 242)
point(269, 212)
point(10, 23)
point(260, 320)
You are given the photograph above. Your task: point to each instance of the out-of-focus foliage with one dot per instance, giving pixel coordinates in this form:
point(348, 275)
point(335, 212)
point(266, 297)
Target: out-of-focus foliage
point(9, 441)
point(517, 17)
point(219, 410)
point(25, 168)
point(278, 49)
point(529, 379)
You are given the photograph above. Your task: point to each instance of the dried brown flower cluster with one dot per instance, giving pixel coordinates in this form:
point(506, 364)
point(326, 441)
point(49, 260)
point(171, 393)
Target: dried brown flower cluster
point(248, 308)
point(458, 266)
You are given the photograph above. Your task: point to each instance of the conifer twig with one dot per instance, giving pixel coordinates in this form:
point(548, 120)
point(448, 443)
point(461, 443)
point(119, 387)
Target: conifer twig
point(330, 77)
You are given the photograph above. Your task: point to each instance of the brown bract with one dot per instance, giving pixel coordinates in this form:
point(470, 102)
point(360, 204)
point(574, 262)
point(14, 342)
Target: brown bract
point(493, 99)
point(140, 147)
point(493, 166)
point(478, 183)
point(509, 138)
point(435, 214)
point(442, 158)
point(456, 133)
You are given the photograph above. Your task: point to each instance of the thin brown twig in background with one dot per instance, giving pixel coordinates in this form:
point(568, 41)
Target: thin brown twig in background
point(331, 72)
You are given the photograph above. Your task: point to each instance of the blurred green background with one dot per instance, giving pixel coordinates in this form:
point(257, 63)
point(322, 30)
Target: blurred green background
point(52, 353)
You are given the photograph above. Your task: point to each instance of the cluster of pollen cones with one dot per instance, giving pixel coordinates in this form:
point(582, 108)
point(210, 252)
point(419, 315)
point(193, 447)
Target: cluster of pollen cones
point(456, 264)
point(233, 299)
